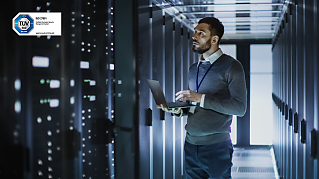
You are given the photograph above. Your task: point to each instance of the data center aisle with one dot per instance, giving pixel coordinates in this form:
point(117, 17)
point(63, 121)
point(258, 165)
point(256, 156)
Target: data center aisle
point(254, 163)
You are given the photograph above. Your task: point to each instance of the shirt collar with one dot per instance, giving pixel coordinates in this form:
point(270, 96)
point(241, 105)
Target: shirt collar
point(212, 58)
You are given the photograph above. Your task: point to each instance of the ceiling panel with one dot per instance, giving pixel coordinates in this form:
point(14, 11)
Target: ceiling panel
point(242, 19)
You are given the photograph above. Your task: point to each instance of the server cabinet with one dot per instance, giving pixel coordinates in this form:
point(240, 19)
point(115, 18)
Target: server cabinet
point(143, 71)
point(88, 111)
point(56, 97)
point(157, 73)
point(169, 94)
point(163, 54)
point(293, 74)
point(294, 58)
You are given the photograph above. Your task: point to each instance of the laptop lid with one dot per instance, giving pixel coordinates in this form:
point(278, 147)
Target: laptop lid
point(157, 92)
point(160, 98)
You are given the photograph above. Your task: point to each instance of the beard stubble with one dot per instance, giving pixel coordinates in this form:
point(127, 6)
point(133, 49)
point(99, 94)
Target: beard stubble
point(204, 48)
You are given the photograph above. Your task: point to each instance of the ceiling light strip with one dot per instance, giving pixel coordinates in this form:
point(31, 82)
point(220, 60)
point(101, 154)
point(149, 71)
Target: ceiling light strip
point(249, 23)
point(226, 5)
point(284, 11)
point(243, 18)
point(172, 11)
point(233, 12)
point(248, 31)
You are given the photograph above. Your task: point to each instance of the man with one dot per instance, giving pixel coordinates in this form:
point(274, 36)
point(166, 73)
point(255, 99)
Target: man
point(217, 86)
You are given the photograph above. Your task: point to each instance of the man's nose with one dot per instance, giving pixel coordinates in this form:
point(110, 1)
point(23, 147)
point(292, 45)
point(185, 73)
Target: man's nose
point(193, 37)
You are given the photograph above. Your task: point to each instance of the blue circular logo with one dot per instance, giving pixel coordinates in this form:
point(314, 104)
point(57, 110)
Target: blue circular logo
point(23, 23)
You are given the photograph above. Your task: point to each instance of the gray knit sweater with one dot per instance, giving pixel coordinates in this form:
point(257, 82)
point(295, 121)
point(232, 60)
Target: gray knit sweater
point(225, 95)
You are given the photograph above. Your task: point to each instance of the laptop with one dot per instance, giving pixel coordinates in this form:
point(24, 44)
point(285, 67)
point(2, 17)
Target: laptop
point(160, 99)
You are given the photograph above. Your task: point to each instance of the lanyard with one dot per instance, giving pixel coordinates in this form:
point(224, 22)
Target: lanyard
point(198, 85)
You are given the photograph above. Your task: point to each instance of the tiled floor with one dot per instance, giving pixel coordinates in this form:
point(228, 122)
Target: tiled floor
point(254, 163)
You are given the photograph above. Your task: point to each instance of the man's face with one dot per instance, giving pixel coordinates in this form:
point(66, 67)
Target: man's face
point(201, 38)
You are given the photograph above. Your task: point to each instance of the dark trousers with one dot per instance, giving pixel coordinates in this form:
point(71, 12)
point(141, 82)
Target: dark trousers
point(208, 161)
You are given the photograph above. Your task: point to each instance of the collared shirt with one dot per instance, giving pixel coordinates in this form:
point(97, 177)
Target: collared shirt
point(212, 58)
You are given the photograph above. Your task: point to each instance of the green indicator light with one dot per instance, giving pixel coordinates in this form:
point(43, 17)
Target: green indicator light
point(49, 100)
point(45, 100)
point(88, 96)
point(84, 96)
point(114, 80)
point(42, 81)
point(48, 81)
point(41, 101)
point(87, 80)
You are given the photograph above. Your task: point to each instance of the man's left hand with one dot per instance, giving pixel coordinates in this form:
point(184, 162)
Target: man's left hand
point(188, 95)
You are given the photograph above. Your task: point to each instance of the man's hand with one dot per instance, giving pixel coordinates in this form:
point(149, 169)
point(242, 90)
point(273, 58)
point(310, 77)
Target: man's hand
point(176, 111)
point(188, 95)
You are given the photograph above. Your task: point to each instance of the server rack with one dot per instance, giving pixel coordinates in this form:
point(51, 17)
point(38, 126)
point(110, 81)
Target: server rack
point(164, 54)
point(89, 113)
point(295, 91)
point(52, 113)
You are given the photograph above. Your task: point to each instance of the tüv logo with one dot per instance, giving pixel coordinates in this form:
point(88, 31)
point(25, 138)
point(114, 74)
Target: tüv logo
point(23, 23)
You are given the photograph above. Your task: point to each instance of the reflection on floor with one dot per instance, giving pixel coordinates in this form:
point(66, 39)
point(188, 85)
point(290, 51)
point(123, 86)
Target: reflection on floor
point(254, 163)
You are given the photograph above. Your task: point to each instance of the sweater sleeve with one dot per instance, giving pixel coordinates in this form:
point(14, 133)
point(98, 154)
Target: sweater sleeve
point(236, 102)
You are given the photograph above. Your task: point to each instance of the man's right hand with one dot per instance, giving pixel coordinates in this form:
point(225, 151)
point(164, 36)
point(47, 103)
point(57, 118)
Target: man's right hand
point(176, 111)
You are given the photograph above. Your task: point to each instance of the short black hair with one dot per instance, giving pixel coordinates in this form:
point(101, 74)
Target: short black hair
point(215, 26)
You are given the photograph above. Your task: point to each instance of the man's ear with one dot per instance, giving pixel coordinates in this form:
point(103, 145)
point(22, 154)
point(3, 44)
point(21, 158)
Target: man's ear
point(215, 39)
